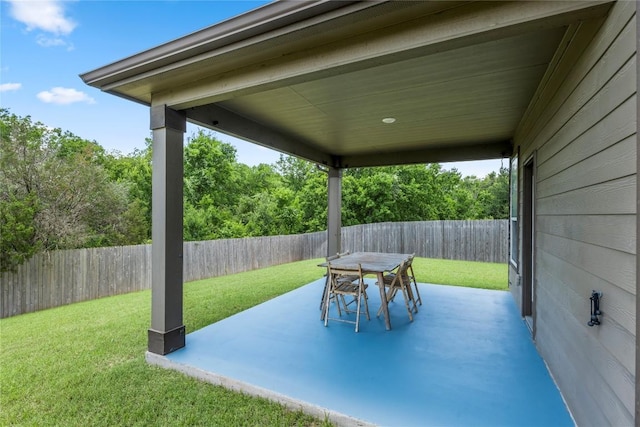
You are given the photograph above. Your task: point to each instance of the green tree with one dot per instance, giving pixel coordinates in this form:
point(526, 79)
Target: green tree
point(294, 172)
point(310, 191)
point(54, 192)
point(493, 197)
point(271, 213)
point(210, 176)
point(370, 198)
point(69, 146)
point(213, 187)
point(17, 230)
point(61, 191)
point(399, 193)
point(257, 179)
point(133, 171)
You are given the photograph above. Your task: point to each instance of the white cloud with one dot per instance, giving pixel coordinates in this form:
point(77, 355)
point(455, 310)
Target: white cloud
point(45, 15)
point(45, 41)
point(64, 96)
point(6, 87)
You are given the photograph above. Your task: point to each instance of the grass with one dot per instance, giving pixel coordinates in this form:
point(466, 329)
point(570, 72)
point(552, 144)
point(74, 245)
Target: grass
point(83, 364)
point(470, 274)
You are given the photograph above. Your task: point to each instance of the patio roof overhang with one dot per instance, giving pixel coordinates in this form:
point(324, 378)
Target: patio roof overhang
point(316, 79)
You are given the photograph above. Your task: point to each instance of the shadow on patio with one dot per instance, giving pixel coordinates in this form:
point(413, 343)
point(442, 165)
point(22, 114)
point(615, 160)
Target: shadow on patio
point(467, 359)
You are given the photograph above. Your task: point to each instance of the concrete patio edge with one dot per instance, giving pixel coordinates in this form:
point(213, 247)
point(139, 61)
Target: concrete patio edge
point(246, 388)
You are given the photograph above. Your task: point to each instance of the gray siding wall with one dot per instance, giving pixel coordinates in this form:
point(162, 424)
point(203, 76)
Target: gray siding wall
point(582, 128)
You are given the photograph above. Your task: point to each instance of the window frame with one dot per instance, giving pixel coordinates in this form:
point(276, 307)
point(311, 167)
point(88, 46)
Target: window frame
point(514, 198)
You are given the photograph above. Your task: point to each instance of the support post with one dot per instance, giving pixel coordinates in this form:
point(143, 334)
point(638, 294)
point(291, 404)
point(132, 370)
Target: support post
point(637, 371)
point(167, 332)
point(334, 215)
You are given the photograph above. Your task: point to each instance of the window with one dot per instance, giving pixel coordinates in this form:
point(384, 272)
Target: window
point(513, 212)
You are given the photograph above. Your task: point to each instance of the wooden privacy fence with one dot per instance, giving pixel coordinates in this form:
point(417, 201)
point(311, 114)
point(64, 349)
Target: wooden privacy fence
point(57, 278)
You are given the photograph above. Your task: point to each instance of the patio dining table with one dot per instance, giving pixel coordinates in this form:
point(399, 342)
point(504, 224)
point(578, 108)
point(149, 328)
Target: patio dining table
point(377, 263)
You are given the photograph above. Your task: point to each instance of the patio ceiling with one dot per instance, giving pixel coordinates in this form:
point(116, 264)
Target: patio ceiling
point(315, 79)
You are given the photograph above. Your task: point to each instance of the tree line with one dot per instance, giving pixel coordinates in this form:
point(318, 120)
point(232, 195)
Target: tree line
point(59, 191)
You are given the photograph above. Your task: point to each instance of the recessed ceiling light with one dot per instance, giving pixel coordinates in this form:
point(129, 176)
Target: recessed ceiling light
point(388, 120)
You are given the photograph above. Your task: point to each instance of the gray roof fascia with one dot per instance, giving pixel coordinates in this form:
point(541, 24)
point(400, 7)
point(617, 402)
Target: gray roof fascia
point(267, 18)
point(480, 150)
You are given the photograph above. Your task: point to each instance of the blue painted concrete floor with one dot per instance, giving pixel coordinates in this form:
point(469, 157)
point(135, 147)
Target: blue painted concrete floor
point(467, 359)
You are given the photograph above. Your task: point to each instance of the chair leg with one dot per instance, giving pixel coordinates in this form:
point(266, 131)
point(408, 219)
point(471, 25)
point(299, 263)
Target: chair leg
point(388, 301)
point(358, 309)
point(380, 309)
point(325, 298)
point(326, 313)
point(406, 302)
point(327, 304)
point(366, 304)
point(412, 298)
point(324, 291)
point(392, 294)
point(415, 284)
point(344, 304)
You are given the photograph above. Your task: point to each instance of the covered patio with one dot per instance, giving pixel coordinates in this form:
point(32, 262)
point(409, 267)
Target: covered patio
point(466, 359)
point(340, 84)
point(360, 84)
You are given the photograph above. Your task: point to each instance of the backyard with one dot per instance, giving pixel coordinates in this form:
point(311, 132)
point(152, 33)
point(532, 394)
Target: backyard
point(83, 364)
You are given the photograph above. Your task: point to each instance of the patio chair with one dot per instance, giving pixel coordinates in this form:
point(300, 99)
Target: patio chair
point(400, 281)
point(349, 277)
point(408, 279)
point(326, 282)
point(341, 285)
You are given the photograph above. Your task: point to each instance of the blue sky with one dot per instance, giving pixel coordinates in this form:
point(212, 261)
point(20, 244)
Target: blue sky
point(46, 44)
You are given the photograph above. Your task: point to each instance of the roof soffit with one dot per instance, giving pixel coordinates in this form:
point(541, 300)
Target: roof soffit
point(309, 51)
point(460, 75)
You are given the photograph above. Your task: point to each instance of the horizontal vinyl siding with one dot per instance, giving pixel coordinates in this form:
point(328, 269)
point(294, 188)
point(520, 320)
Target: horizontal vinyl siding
point(609, 231)
point(609, 265)
point(582, 127)
point(601, 399)
point(610, 197)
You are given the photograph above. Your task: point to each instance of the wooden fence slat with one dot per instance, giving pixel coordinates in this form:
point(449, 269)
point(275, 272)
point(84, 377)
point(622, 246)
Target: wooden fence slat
point(56, 278)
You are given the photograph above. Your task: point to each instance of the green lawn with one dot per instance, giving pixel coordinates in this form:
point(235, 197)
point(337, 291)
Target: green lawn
point(83, 364)
point(471, 274)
